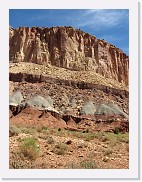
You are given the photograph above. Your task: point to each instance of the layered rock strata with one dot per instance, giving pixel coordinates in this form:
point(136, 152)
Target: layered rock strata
point(25, 77)
point(68, 48)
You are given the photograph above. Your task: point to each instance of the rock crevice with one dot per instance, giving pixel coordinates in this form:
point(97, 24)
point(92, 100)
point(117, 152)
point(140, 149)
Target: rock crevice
point(68, 48)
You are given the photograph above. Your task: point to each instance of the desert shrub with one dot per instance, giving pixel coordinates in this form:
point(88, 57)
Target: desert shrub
point(91, 155)
point(86, 131)
point(107, 152)
point(30, 148)
point(82, 145)
point(89, 137)
point(60, 149)
point(17, 161)
point(99, 135)
point(116, 130)
point(85, 164)
point(44, 128)
point(59, 129)
point(88, 164)
point(75, 134)
point(104, 139)
point(50, 140)
point(122, 137)
point(13, 130)
point(28, 130)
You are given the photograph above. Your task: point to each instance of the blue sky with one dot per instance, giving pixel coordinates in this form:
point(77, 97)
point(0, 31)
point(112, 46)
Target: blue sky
point(109, 24)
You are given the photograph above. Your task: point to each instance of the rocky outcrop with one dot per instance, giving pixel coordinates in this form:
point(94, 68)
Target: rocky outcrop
point(20, 77)
point(68, 48)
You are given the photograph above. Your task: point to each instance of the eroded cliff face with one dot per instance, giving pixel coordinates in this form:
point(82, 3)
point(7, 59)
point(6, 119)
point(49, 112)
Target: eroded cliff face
point(68, 48)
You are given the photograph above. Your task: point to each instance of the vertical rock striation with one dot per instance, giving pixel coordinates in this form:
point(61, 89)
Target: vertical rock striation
point(68, 48)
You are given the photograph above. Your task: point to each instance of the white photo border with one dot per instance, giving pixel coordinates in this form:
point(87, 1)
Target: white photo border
point(133, 171)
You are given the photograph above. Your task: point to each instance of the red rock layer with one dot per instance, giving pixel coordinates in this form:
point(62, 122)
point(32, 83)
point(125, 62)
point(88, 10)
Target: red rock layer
point(69, 48)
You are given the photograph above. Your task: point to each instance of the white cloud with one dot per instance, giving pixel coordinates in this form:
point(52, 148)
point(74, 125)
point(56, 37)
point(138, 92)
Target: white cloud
point(102, 17)
point(95, 18)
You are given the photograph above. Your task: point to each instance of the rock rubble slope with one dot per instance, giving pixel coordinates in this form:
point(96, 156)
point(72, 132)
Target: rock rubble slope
point(69, 100)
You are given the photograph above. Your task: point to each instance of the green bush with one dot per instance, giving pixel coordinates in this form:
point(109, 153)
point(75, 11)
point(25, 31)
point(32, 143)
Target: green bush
point(50, 140)
point(44, 128)
point(116, 130)
point(86, 131)
point(85, 164)
point(30, 148)
point(88, 164)
point(107, 152)
point(60, 149)
point(89, 137)
point(13, 130)
point(59, 129)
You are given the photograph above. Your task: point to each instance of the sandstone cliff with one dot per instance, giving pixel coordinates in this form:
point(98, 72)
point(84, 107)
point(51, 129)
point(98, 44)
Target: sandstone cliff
point(68, 48)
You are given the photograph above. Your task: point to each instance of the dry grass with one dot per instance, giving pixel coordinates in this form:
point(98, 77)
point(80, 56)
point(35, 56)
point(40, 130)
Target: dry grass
point(108, 151)
point(88, 150)
point(29, 147)
point(85, 164)
point(60, 149)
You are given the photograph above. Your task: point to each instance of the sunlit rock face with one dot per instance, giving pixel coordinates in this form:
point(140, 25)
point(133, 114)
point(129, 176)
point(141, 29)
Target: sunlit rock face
point(68, 48)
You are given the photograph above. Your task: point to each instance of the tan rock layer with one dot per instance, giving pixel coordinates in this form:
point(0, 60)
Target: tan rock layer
point(68, 48)
point(20, 77)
